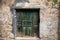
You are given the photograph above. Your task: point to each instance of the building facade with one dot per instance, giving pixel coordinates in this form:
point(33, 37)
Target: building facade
point(30, 20)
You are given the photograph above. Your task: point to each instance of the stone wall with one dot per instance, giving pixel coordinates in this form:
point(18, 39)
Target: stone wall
point(49, 24)
point(5, 20)
point(6, 23)
point(48, 20)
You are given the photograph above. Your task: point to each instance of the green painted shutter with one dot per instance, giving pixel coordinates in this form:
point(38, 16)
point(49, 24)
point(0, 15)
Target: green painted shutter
point(27, 23)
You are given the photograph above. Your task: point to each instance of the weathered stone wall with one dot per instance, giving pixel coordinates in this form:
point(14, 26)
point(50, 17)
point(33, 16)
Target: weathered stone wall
point(48, 20)
point(6, 23)
point(49, 24)
point(5, 20)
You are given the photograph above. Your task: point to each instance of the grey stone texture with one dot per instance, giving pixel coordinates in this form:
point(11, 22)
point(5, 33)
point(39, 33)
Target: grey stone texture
point(48, 20)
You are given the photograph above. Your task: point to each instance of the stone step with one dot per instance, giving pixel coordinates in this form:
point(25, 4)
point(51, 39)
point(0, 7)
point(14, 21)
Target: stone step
point(27, 39)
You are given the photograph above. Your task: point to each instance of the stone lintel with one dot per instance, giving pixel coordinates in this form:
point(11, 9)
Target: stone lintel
point(27, 6)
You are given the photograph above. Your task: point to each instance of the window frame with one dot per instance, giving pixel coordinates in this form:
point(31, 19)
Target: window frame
point(14, 19)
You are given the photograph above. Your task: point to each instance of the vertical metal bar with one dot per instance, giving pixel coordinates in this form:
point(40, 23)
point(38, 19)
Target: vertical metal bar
point(32, 25)
point(21, 22)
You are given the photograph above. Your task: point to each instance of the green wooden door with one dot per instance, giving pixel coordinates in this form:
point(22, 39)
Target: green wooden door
point(27, 22)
